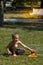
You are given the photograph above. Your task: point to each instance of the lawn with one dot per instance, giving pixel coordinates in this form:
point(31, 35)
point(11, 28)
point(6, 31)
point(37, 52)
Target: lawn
point(30, 37)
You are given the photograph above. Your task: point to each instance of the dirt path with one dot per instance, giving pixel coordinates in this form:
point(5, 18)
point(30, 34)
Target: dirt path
point(24, 20)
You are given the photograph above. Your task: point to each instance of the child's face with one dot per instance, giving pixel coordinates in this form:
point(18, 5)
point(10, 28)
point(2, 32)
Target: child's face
point(15, 37)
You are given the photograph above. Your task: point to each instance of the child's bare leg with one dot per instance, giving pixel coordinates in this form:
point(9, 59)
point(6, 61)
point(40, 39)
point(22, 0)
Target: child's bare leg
point(14, 52)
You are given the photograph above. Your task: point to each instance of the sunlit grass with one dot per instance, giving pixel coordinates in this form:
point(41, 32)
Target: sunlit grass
point(21, 14)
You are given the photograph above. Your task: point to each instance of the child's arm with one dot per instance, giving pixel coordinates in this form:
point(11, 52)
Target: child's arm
point(26, 47)
point(8, 46)
point(8, 51)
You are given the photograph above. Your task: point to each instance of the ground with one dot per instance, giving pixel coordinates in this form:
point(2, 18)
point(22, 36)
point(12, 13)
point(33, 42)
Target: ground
point(20, 14)
point(32, 37)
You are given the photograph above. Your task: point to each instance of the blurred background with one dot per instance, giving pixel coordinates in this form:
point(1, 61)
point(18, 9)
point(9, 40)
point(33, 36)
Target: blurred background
point(20, 8)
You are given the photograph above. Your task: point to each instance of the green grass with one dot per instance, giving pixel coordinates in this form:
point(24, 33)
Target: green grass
point(32, 38)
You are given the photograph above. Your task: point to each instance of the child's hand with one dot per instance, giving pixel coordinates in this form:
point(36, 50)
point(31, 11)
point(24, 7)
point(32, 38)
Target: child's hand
point(32, 51)
point(9, 52)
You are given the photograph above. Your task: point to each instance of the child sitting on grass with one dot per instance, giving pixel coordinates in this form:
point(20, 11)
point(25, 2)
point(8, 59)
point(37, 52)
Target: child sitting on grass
point(12, 47)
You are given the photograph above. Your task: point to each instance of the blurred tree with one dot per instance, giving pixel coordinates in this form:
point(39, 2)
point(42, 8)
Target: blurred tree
point(41, 3)
point(1, 13)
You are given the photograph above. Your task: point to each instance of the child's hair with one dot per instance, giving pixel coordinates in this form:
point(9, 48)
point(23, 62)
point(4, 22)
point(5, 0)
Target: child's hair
point(15, 35)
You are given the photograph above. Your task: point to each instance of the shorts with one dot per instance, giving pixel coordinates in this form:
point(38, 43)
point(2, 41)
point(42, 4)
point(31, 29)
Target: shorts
point(19, 51)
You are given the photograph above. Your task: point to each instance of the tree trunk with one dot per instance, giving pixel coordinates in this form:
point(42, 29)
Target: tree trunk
point(1, 13)
point(41, 4)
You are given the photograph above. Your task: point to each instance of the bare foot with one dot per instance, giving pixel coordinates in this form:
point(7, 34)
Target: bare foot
point(14, 55)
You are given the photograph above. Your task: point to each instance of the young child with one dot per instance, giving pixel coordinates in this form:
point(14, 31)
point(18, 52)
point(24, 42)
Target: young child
point(12, 47)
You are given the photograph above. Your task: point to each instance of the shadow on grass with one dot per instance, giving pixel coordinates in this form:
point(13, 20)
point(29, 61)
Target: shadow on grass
point(29, 26)
point(5, 54)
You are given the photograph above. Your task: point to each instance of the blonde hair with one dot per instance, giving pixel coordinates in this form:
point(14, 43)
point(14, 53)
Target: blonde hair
point(15, 35)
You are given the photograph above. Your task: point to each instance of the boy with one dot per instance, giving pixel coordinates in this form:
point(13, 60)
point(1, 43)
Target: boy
point(12, 47)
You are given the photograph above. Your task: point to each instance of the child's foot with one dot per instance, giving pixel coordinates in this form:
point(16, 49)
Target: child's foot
point(14, 55)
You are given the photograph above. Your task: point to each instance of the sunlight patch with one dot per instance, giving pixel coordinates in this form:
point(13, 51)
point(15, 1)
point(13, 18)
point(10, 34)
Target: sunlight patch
point(37, 12)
